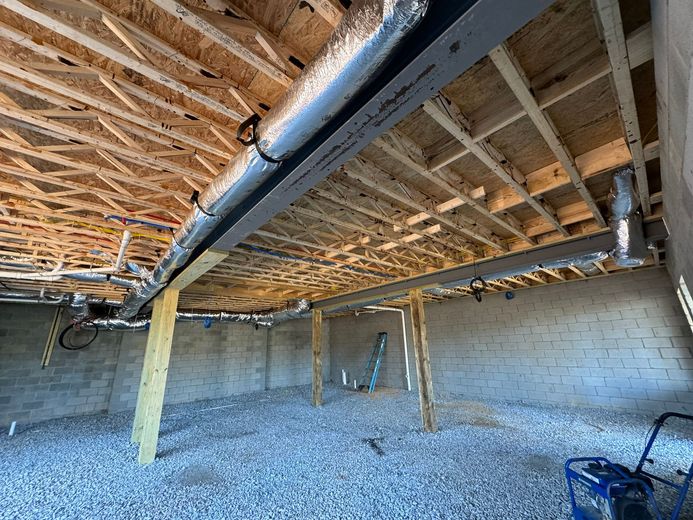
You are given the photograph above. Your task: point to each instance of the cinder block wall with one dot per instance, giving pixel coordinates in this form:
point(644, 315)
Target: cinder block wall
point(74, 383)
point(205, 364)
point(355, 337)
point(620, 341)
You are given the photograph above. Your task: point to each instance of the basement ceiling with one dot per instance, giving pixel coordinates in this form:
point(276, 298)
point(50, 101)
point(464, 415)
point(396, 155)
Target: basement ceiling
point(113, 112)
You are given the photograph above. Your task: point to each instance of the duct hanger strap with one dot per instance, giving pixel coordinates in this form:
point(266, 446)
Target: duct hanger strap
point(195, 199)
point(478, 285)
point(251, 123)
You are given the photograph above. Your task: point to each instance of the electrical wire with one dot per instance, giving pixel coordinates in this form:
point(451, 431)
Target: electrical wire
point(65, 339)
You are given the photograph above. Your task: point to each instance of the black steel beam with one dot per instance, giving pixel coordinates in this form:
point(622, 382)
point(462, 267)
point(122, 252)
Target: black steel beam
point(655, 230)
point(451, 38)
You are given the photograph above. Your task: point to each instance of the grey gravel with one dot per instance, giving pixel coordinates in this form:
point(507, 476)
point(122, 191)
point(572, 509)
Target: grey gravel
point(271, 455)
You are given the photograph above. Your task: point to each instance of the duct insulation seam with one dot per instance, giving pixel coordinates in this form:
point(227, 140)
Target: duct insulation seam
point(359, 46)
point(630, 249)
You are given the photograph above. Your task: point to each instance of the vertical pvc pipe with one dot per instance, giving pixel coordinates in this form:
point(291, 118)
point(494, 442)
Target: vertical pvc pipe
point(406, 353)
point(404, 338)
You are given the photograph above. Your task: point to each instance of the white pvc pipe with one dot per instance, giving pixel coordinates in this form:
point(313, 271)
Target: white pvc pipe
point(12, 427)
point(127, 236)
point(51, 275)
point(404, 337)
point(56, 273)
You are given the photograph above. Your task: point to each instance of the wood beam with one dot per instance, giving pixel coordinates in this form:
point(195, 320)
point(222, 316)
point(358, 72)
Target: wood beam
point(423, 361)
point(53, 335)
point(402, 148)
point(154, 129)
point(518, 82)
point(548, 91)
point(199, 266)
point(447, 115)
point(379, 217)
point(331, 13)
point(317, 358)
point(609, 15)
point(150, 399)
point(105, 48)
point(365, 174)
point(214, 33)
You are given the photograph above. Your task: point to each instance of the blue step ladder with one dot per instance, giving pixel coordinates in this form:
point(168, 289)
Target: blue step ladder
point(373, 364)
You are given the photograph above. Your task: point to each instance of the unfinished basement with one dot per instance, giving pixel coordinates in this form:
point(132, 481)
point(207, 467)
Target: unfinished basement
point(314, 259)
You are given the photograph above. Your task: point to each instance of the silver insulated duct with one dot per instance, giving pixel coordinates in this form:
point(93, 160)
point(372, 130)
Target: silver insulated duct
point(79, 307)
point(293, 310)
point(357, 49)
point(630, 248)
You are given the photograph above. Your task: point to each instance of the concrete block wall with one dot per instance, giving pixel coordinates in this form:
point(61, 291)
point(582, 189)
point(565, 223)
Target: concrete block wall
point(672, 24)
point(290, 354)
point(355, 337)
point(620, 341)
point(74, 383)
point(205, 364)
point(104, 378)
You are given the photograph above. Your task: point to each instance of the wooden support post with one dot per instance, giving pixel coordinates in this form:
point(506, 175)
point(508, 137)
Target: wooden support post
point(197, 268)
point(423, 361)
point(317, 357)
point(52, 336)
point(150, 399)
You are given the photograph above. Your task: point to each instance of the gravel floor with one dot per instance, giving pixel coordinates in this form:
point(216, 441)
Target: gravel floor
point(270, 455)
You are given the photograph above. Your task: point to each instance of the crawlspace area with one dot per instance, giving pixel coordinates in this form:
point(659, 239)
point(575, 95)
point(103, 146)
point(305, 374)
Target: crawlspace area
point(272, 455)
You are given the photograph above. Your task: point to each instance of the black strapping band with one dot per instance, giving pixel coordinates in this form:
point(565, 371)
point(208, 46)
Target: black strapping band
point(251, 123)
point(194, 198)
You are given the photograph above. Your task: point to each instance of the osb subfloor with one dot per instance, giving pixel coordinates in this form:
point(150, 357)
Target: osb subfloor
point(270, 455)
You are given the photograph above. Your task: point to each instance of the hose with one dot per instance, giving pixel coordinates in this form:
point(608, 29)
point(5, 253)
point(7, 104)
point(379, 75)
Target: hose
point(65, 339)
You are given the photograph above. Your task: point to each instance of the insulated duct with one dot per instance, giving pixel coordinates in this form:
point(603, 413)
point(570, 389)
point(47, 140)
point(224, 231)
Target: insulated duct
point(92, 277)
point(295, 309)
point(10, 296)
point(78, 305)
point(585, 262)
point(46, 298)
point(97, 275)
point(359, 46)
point(626, 221)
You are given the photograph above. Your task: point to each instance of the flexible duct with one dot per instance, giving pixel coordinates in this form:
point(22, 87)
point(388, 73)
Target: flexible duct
point(97, 275)
point(33, 297)
point(630, 249)
point(585, 262)
point(295, 309)
point(79, 306)
point(358, 47)
point(52, 298)
point(93, 277)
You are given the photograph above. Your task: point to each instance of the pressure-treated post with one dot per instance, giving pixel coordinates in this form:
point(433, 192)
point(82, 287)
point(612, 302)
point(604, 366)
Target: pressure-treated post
point(423, 361)
point(150, 400)
point(317, 357)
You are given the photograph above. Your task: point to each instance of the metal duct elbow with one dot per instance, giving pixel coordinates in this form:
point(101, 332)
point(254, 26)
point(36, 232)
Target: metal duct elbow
point(359, 46)
point(630, 249)
point(79, 307)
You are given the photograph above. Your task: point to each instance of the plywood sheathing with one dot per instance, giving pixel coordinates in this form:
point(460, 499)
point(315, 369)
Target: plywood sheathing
point(345, 234)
